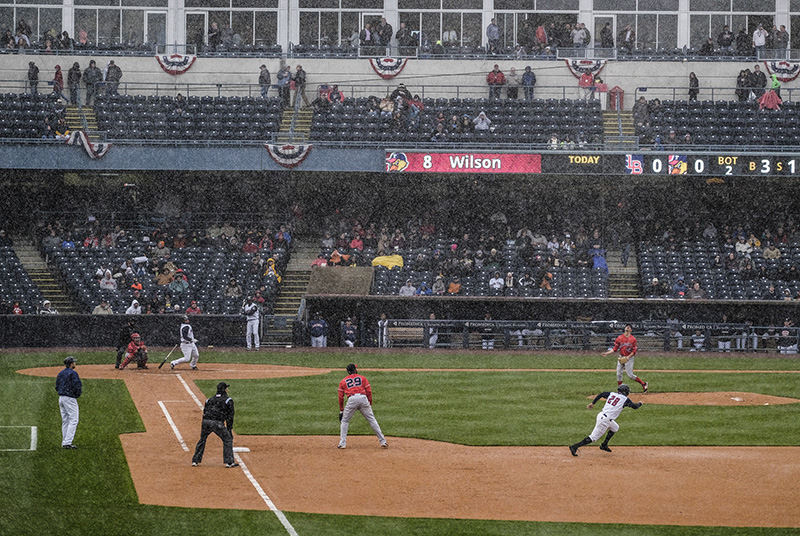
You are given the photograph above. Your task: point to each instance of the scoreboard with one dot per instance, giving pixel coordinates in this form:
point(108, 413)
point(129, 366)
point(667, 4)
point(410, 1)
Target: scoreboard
point(704, 165)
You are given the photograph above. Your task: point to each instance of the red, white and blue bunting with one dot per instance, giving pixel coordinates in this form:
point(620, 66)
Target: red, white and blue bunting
point(175, 64)
point(579, 67)
point(288, 155)
point(94, 150)
point(785, 71)
point(388, 68)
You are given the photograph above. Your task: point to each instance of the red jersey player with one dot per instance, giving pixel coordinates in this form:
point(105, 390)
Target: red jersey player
point(359, 398)
point(625, 344)
point(136, 350)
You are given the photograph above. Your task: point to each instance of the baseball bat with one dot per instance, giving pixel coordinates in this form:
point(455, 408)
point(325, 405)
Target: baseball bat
point(169, 354)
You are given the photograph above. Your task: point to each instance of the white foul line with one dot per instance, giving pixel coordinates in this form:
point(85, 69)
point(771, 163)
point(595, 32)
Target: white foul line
point(189, 390)
point(280, 515)
point(174, 428)
point(34, 437)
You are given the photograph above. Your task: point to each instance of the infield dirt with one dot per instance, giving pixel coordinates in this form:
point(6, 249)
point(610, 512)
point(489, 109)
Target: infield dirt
point(415, 478)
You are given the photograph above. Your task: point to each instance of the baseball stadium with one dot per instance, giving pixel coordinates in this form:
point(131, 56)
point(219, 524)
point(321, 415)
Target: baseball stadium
point(435, 267)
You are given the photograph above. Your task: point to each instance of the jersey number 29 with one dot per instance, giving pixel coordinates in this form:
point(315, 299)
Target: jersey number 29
point(352, 382)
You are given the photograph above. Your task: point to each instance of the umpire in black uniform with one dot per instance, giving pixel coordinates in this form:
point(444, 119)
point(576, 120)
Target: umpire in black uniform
point(217, 418)
point(124, 339)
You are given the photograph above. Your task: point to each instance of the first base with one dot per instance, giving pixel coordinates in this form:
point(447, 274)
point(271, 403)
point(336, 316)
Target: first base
point(241, 449)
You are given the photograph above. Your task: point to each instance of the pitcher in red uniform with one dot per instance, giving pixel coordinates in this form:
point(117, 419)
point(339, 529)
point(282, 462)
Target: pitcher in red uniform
point(359, 398)
point(625, 344)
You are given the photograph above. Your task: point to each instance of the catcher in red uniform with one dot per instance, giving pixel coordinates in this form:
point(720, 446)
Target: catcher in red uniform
point(136, 350)
point(625, 344)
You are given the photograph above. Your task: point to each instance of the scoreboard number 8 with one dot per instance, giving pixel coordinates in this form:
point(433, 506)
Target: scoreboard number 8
point(427, 161)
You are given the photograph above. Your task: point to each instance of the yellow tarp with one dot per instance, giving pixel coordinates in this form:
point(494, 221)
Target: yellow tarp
point(389, 261)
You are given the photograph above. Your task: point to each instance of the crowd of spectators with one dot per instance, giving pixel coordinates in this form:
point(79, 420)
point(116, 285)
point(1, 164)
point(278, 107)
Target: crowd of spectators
point(155, 282)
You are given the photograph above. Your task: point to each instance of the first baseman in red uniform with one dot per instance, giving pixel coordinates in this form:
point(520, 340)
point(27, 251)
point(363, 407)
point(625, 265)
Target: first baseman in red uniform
point(359, 398)
point(625, 344)
point(136, 350)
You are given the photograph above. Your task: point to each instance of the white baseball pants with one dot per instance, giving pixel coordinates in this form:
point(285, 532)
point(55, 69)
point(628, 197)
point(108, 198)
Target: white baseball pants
point(190, 355)
point(252, 334)
point(602, 424)
point(358, 403)
point(69, 418)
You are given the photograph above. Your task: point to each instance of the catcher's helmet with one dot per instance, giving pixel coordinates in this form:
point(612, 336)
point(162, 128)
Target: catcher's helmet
point(135, 336)
point(624, 389)
point(351, 368)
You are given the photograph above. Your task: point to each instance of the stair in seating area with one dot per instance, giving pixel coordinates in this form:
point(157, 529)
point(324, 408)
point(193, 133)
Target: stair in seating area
point(295, 125)
point(623, 280)
point(618, 129)
point(74, 118)
point(293, 288)
point(83, 118)
point(48, 284)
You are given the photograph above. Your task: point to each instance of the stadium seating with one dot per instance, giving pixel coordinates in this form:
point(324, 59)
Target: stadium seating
point(513, 121)
point(200, 118)
point(724, 123)
point(693, 260)
point(15, 284)
point(208, 270)
point(24, 116)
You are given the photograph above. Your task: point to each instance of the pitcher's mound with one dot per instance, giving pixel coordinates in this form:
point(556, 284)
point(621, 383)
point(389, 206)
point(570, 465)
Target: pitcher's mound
point(730, 398)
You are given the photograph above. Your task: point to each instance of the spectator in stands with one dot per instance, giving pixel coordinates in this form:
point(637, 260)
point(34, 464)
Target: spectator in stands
point(656, 288)
point(9, 42)
point(454, 287)
point(696, 293)
point(742, 247)
point(496, 283)
point(743, 43)
point(194, 308)
point(496, 80)
point(384, 33)
point(466, 126)
point(771, 294)
point(134, 308)
point(760, 41)
point(423, 289)
point(299, 79)
point(481, 122)
point(92, 76)
point(58, 83)
point(113, 77)
point(408, 289)
point(178, 287)
point(694, 86)
point(725, 40)
point(233, 289)
point(214, 36)
point(33, 78)
point(780, 41)
point(679, 289)
point(742, 85)
point(47, 308)
point(510, 284)
point(513, 81)
point(439, 134)
point(771, 252)
point(578, 36)
point(776, 87)
point(493, 37)
point(707, 49)
point(366, 36)
point(5, 240)
point(284, 78)
point(404, 36)
point(103, 308)
point(528, 82)
point(108, 282)
point(641, 114)
point(16, 309)
point(65, 41)
point(68, 243)
point(264, 80)
point(757, 81)
point(626, 40)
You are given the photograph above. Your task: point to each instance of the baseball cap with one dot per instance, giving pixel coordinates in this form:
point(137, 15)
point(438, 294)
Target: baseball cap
point(221, 386)
point(69, 359)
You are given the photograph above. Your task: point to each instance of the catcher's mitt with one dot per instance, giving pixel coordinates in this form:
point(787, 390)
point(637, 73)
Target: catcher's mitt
point(623, 359)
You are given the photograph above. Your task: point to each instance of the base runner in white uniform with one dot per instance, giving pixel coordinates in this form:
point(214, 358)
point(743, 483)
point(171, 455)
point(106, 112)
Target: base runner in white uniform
point(188, 346)
point(250, 310)
point(607, 418)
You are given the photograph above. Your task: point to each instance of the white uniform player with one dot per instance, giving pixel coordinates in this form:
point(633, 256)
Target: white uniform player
point(188, 346)
point(383, 332)
point(607, 418)
point(250, 310)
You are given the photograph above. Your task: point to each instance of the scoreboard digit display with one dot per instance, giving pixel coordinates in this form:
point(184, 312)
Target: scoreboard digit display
point(711, 165)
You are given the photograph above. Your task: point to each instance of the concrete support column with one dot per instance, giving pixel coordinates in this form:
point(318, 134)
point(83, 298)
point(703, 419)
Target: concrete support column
point(176, 24)
point(288, 23)
point(683, 23)
point(68, 17)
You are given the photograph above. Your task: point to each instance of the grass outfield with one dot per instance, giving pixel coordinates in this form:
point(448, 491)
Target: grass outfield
point(89, 491)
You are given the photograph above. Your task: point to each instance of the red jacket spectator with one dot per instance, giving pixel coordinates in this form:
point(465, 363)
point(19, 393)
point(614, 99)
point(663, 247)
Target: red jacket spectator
point(249, 246)
point(193, 309)
point(357, 243)
point(496, 77)
point(16, 310)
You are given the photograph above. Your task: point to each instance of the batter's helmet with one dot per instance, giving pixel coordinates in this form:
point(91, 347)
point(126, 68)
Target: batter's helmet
point(624, 389)
point(69, 360)
point(185, 318)
point(351, 368)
